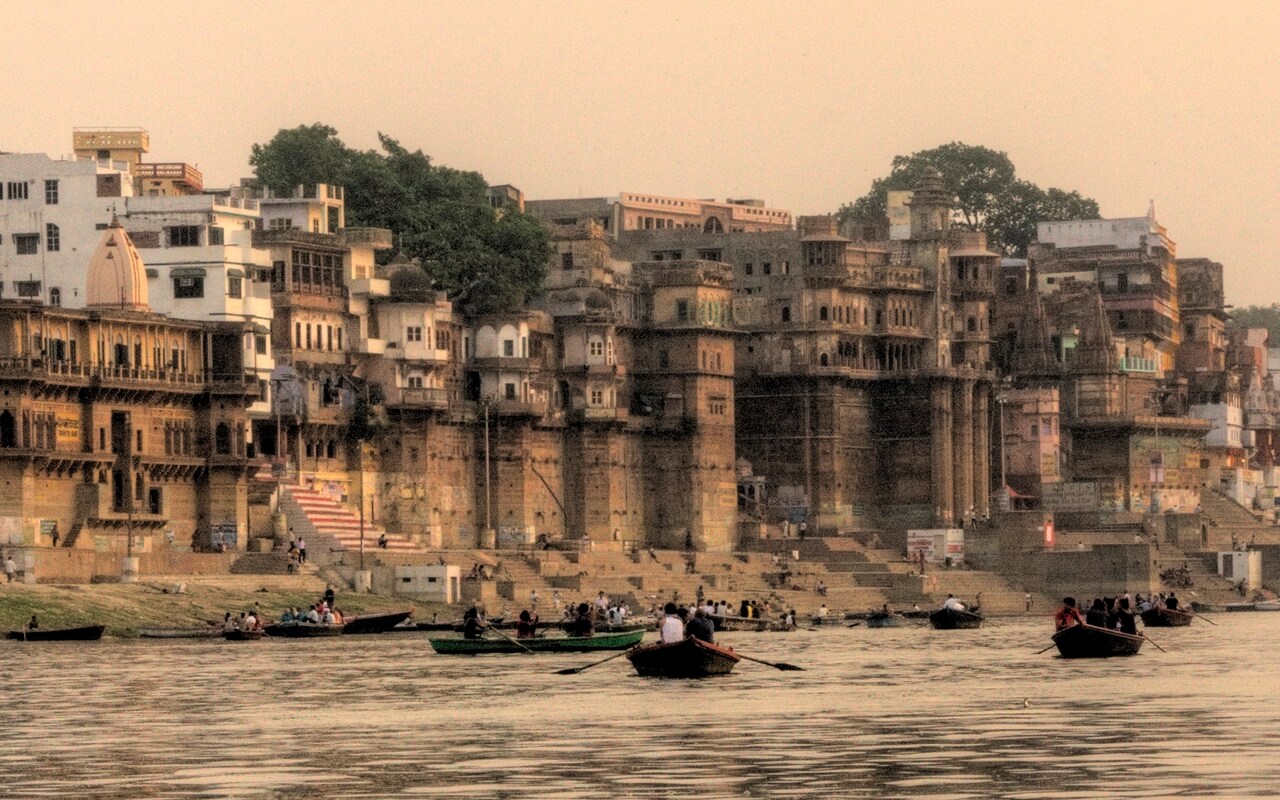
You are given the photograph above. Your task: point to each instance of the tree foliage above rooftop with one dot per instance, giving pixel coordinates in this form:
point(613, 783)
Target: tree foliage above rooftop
point(989, 195)
point(487, 260)
point(1259, 317)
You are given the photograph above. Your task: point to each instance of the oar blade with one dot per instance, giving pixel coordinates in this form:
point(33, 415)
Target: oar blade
point(785, 667)
point(569, 671)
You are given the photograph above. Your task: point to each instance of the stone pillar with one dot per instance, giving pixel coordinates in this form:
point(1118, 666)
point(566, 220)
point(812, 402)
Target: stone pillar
point(940, 443)
point(962, 448)
point(982, 449)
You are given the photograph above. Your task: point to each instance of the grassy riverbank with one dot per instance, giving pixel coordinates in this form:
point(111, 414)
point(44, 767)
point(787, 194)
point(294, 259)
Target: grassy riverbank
point(126, 608)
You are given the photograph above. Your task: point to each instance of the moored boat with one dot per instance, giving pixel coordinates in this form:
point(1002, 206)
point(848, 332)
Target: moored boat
point(1089, 641)
point(244, 636)
point(86, 633)
point(1267, 605)
point(179, 633)
point(375, 623)
point(1242, 606)
point(947, 619)
point(687, 658)
point(727, 622)
point(1205, 608)
point(302, 630)
point(1166, 618)
point(882, 620)
point(453, 645)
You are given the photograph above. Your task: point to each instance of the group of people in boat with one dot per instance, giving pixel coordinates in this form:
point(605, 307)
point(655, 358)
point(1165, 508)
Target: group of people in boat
point(676, 625)
point(1112, 613)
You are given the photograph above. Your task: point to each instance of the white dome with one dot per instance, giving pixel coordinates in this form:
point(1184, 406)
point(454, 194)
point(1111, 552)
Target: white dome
point(117, 277)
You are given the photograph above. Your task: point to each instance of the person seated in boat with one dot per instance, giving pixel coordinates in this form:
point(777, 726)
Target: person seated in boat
point(327, 618)
point(527, 625)
point(790, 619)
point(1068, 615)
point(700, 627)
point(1097, 614)
point(671, 628)
point(241, 623)
point(228, 624)
point(313, 616)
point(744, 610)
point(581, 624)
point(1171, 602)
point(1124, 621)
point(34, 624)
point(337, 616)
point(472, 626)
point(250, 622)
point(952, 603)
point(822, 611)
point(1144, 603)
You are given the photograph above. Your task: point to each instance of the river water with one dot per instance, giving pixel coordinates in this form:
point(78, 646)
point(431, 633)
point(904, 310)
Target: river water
point(906, 713)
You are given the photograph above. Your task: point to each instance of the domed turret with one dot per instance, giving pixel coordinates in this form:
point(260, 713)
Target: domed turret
point(117, 277)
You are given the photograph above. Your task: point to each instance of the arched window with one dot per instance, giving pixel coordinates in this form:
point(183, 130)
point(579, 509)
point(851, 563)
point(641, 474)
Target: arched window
point(222, 439)
point(822, 313)
point(713, 225)
point(55, 297)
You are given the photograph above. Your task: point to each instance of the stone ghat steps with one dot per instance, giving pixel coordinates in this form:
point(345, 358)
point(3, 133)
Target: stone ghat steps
point(330, 519)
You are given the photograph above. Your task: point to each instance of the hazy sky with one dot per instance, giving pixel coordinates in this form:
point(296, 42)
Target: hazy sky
point(801, 104)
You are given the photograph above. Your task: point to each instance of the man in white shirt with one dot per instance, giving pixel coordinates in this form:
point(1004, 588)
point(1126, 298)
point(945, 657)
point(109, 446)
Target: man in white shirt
point(953, 604)
point(313, 615)
point(822, 611)
point(671, 628)
point(10, 569)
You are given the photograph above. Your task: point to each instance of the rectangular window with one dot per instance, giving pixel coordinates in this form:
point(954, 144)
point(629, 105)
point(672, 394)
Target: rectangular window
point(27, 288)
point(260, 344)
point(766, 268)
point(280, 224)
point(682, 310)
point(51, 193)
point(508, 348)
point(664, 360)
point(749, 268)
point(216, 235)
point(16, 190)
point(235, 286)
point(27, 244)
point(413, 334)
point(183, 235)
point(509, 391)
point(597, 397)
point(185, 288)
point(339, 338)
point(566, 260)
point(52, 238)
point(597, 348)
point(415, 382)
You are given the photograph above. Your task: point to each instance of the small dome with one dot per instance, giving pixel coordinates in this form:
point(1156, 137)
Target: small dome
point(117, 277)
point(410, 284)
point(597, 301)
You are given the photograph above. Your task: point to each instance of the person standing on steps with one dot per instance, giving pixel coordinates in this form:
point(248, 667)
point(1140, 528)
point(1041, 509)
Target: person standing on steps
point(302, 551)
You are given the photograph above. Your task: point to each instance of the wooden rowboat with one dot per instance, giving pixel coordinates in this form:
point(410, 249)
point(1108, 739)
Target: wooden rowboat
point(947, 619)
point(375, 623)
point(882, 620)
point(244, 636)
point(688, 658)
point(302, 630)
point(728, 622)
point(1089, 641)
point(1166, 618)
point(86, 633)
point(179, 633)
point(452, 645)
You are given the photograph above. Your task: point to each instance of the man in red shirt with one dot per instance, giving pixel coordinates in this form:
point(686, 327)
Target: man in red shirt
point(1068, 615)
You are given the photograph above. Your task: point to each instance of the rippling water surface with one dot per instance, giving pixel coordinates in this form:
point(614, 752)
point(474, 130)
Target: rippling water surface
point(907, 713)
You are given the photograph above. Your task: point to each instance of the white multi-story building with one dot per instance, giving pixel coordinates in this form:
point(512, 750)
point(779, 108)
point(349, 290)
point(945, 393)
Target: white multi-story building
point(52, 215)
point(201, 262)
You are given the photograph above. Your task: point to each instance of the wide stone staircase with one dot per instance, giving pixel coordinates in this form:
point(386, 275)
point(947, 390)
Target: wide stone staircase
point(328, 525)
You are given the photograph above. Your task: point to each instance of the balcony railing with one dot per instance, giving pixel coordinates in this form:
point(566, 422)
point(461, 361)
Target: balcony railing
point(429, 398)
point(1132, 364)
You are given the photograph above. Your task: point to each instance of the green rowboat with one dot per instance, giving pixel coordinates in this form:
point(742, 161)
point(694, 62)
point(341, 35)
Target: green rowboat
point(456, 645)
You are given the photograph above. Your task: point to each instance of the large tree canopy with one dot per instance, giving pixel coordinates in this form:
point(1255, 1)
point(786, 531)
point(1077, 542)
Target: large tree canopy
point(485, 259)
point(989, 195)
point(1260, 317)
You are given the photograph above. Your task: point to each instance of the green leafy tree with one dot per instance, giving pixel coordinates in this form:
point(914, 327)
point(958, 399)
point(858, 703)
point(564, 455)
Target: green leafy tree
point(1259, 317)
point(486, 259)
point(989, 195)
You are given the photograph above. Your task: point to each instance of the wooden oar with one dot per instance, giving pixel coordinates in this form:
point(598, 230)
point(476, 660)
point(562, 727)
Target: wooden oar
point(576, 670)
point(1153, 644)
point(509, 639)
point(785, 667)
point(854, 625)
point(1047, 649)
point(1203, 617)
